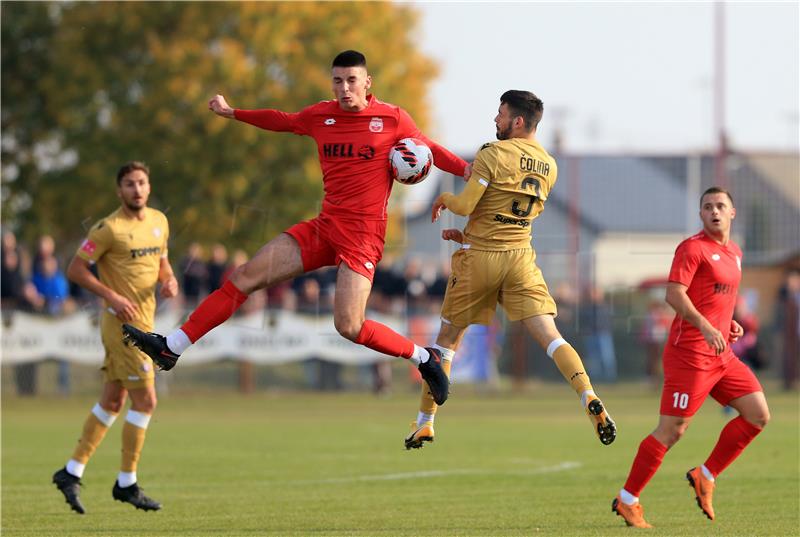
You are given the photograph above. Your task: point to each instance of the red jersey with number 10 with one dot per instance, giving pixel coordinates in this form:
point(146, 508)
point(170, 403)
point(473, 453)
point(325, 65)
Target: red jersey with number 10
point(353, 151)
point(712, 273)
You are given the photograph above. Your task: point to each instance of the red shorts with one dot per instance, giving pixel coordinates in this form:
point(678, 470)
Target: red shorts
point(686, 387)
point(327, 240)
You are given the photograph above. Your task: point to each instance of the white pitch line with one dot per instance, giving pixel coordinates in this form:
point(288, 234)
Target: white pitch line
point(561, 467)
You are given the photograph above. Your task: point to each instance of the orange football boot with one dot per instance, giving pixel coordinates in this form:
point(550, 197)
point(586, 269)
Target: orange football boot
point(419, 435)
point(633, 515)
point(703, 490)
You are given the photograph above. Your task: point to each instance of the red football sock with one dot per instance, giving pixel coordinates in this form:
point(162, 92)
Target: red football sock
point(732, 440)
point(381, 338)
point(213, 311)
point(648, 459)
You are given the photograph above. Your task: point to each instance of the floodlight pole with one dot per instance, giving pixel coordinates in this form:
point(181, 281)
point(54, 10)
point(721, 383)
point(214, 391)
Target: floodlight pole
point(574, 219)
point(720, 172)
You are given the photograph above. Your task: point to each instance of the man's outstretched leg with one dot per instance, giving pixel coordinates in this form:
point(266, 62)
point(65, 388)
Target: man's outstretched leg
point(99, 420)
point(126, 488)
point(350, 302)
point(213, 311)
point(734, 438)
point(543, 329)
point(647, 461)
point(447, 342)
point(279, 260)
point(422, 427)
point(645, 465)
point(571, 367)
point(67, 479)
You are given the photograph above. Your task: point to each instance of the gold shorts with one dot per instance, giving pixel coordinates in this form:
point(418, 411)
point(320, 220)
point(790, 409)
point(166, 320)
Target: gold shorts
point(482, 279)
point(125, 364)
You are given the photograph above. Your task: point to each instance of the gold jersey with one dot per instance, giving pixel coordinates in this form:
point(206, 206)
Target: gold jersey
point(128, 254)
point(518, 175)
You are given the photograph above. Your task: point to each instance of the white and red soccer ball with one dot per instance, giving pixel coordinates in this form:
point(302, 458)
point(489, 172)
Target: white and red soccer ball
point(410, 160)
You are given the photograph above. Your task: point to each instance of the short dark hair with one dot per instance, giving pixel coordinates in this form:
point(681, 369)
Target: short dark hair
point(525, 104)
point(716, 190)
point(350, 58)
point(129, 167)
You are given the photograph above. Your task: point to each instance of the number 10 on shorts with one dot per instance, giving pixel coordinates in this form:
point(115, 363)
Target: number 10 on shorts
point(680, 400)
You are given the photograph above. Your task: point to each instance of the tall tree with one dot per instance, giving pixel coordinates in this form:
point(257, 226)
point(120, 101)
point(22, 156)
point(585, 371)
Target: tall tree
point(88, 86)
point(28, 134)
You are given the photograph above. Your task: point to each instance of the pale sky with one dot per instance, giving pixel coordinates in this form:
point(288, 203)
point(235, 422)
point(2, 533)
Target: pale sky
point(616, 76)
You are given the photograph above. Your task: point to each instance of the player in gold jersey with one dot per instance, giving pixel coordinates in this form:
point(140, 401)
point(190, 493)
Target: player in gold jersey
point(510, 182)
point(129, 248)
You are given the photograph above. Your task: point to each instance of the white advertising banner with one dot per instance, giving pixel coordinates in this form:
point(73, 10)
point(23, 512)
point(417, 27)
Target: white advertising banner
point(263, 338)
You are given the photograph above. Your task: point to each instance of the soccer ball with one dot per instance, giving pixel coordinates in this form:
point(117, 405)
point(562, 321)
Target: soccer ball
point(410, 160)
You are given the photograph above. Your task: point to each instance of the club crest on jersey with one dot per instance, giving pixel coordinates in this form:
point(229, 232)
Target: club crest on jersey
point(376, 124)
point(330, 121)
point(88, 247)
point(715, 257)
point(156, 232)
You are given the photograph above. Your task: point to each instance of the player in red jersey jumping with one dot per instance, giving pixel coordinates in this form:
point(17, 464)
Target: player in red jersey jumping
point(698, 360)
point(354, 134)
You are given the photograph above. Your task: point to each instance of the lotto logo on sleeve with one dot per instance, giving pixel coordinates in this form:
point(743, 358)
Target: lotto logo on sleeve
point(88, 247)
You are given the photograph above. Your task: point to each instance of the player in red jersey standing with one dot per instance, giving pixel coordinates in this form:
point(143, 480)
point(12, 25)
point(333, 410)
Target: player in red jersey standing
point(698, 360)
point(354, 134)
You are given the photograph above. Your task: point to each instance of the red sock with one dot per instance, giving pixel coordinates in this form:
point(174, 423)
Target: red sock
point(381, 338)
point(648, 459)
point(732, 440)
point(213, 311)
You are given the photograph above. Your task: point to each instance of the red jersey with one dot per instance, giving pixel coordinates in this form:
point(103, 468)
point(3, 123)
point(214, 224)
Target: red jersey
point(353, 151)
point(712, 273)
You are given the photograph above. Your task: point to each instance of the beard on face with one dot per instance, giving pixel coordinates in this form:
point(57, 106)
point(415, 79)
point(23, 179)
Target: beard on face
point(134, 205)
point(503, 134)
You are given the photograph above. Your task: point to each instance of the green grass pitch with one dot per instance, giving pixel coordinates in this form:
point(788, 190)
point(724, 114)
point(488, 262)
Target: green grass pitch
point(311, 464)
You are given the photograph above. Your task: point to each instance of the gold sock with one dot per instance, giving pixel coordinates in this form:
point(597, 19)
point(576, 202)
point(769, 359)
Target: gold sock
point(426, 403)
point(132, 443)
point(571, 367)
point(93, 432)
